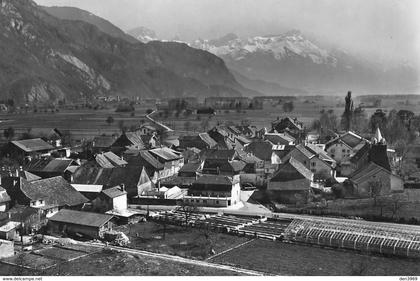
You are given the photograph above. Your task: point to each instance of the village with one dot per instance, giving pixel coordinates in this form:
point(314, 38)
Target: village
point(236, 182)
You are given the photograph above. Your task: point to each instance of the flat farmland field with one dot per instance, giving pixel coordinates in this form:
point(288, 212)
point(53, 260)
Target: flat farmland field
point(305, 109)
point(81, 123)
point(292, 259)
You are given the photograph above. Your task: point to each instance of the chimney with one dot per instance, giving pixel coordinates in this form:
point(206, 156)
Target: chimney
point(158, 186)
point(122, 187)
point(17, 173)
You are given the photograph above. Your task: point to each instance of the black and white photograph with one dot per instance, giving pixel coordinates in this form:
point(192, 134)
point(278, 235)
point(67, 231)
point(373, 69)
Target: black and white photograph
point(209, 138)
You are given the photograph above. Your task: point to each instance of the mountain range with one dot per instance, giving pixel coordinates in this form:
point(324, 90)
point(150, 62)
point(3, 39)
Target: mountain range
point(294, 61)
point(47, 57)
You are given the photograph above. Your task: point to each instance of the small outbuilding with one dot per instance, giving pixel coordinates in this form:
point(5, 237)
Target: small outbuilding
point(79, 223)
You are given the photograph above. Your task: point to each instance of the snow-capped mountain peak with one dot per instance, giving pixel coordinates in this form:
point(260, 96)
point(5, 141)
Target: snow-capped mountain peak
point(143, 34)
point(291, 43)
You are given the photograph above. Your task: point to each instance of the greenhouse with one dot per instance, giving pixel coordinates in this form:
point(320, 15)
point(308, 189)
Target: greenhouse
point(384, 238)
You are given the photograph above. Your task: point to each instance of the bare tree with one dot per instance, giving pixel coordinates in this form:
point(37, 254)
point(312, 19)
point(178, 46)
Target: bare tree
point(187, 210)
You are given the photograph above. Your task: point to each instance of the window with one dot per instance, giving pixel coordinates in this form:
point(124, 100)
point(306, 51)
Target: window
point(197, 200)
point(332, 150)
point(332, 155)
point(228, 202)
point(343, 151)
point(217, 202)
point(205, 201)
point(313, 164)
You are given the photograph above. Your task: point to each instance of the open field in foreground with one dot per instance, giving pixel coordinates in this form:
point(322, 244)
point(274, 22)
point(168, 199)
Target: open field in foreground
point(181, 241)
point(112, 263)
point(292, 259)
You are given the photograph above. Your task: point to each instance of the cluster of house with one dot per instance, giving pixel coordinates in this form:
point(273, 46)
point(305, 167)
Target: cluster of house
point(63, 193)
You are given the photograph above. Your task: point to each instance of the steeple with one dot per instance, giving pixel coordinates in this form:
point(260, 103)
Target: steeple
point(378, 136)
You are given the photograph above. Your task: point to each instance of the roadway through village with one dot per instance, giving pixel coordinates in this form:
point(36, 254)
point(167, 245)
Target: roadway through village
point(178, 259)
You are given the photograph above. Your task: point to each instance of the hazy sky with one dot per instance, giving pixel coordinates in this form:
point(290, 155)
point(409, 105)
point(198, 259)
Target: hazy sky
point(386, 28)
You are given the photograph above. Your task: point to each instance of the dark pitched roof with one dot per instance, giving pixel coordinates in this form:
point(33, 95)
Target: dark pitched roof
point(378, 154)
point(55, 191)
point(364, 150)
point(143, 157)
point(261, 149)
point(81, 218)
point(49, 165)
point(130, 176)
point(114, 192)
point(349, 138)
point(58, 165)
point(279, 138)
point(288, 122)
point(207, 139)
point(365, 173)
point(190, 168)
point(218, 154)
point(216, 166)
point(33, 145)
point(214, 180)
point(292, 170)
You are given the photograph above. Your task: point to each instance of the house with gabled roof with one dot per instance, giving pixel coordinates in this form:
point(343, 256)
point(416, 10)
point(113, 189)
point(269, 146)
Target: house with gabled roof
point(30, 148)
point(114, 198)
point(263, 150)
point(214, 191)
point(290, 182)
point(128, 140)
point(143, 158)
point(364, 180)
point(201, 141)
point(49, 195)
point(288, 125)
point(131, 176)
point(51, 167)
point(280, 138)
point(314, 159)
point(357, 159)
point(219, 154)
point(171, 160)
point(225, 138)
point(109, 160)
point(342, 147)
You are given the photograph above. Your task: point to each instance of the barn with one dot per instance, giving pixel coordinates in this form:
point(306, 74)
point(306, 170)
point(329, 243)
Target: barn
point(86, 224)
